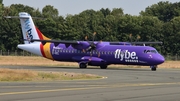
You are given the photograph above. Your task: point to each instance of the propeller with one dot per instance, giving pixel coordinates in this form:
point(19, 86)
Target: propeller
point(92, 46)
point(137, 38)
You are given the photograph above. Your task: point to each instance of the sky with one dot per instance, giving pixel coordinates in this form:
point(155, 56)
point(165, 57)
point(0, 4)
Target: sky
point(65, 7)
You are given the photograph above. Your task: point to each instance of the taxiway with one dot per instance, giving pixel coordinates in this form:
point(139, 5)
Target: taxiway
point(121, 84)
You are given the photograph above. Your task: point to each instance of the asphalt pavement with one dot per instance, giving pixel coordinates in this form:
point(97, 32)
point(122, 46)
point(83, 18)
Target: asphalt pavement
point(125, 84)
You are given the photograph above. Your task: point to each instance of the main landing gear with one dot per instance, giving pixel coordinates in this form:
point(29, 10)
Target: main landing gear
point(103, 66)
point(82, 65)
point(153, 68)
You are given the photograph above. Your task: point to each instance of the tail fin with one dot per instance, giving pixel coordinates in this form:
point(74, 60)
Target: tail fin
point(29, 30)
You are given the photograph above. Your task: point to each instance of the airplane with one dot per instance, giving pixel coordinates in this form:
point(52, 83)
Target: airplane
point(92, 53)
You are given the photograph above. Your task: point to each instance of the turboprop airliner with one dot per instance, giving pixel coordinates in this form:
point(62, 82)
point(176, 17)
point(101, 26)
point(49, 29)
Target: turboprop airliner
point(93, 53)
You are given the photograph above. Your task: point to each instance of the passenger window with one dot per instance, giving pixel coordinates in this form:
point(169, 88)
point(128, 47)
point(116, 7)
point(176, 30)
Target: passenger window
point(101, 52)
point(108, 52)
point(96, 52)
point(75, 51)
point(93, 52)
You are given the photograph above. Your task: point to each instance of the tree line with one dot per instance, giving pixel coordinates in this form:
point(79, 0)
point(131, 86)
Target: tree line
point(158, 22)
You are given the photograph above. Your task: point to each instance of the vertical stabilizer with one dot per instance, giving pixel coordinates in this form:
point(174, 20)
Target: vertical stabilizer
point(30, 31)
point(28, 28)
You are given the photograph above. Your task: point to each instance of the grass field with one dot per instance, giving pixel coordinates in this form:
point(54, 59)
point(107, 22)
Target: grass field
point(40, 61)
point(30, 75)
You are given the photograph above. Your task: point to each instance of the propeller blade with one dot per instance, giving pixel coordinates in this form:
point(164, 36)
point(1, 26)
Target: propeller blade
point(86, 38)
point(130, 36)
point(138, 37)
point(94, 36)
point(94, 33)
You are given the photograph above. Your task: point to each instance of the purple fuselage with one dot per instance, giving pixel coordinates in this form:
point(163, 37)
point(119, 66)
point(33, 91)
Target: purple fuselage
point(111, 54)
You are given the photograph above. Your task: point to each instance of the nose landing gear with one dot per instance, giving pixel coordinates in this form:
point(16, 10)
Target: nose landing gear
point(153, 68)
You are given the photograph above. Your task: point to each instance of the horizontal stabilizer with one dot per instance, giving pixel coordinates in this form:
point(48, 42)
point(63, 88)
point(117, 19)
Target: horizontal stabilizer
point(14, 17)
point(24, 17)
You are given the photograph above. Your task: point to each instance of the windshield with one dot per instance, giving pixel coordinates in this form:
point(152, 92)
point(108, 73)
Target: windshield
point(150, 51)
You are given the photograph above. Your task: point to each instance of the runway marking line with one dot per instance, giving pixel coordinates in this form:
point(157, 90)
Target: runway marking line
point(44, 91)
point(86, 88)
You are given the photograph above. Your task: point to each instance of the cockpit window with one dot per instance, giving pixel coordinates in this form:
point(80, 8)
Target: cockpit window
point(150, 51)
point(153, 51)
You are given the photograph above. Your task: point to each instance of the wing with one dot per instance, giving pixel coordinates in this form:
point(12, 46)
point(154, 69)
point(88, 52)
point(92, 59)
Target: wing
point(119, 43)
point(133, 43)
point(146, 42)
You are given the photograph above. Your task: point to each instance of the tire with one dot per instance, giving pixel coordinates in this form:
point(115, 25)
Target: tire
point(153, 68)
point(103, 66)
point(82, 65)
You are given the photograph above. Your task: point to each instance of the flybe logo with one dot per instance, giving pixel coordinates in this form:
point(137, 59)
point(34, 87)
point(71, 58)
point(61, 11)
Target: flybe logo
point(125, 54)
point(28, 30)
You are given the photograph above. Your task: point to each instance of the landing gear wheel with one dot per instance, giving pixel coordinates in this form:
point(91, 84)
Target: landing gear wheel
point(103, 66)
point(153, 68)
point(82, 65)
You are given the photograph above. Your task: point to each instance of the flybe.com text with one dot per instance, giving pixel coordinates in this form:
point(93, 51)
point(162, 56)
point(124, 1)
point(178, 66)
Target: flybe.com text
point(125, 54)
